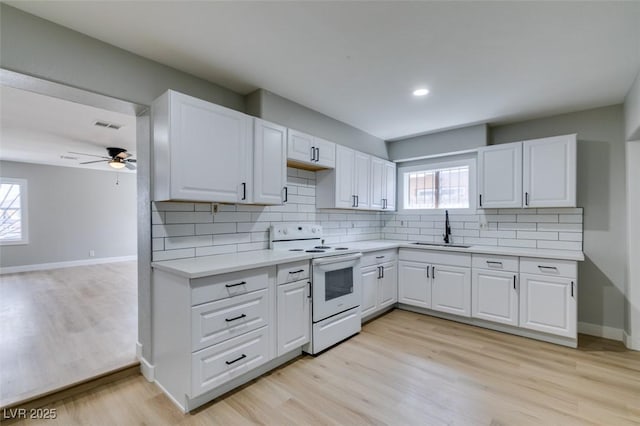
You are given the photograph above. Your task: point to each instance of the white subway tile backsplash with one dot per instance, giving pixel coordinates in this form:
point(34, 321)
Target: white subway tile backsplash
point(182, 230)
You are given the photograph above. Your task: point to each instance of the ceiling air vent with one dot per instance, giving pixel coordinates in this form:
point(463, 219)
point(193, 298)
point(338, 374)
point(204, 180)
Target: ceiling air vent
point(107, 125)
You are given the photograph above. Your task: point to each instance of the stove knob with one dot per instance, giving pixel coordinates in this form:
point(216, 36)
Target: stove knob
point(313, 230)
point(284, 231)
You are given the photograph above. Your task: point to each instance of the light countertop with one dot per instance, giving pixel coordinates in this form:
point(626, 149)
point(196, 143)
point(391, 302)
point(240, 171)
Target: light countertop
point(197, 267)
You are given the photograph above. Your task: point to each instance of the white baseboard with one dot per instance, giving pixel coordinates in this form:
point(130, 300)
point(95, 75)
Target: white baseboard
point(630, 342)
point(147, 370)
point(601, 331)
point(68, 264)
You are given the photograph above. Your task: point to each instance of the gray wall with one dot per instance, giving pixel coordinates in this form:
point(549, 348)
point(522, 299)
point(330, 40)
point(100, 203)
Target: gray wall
point(632, 111)
point(602, 194)
point(40, 48)
point(272, 107)
point(461, 139)
point(72, 211)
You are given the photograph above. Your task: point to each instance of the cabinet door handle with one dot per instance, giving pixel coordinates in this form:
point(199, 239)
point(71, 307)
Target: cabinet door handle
point(309, 294)
point(235, 318)
point(571, 288)
point(243, 356)
point(480, 200)
point(286, 194)
point(296, 272)
point(427, 272)
point(317, 154)
point(384, 203)
point(354, 201)
point(433, 272)
point(357, 200)
point(382, 268)
point(514, 282)
point(235, 285)
point(244, 191)
point(313, 153)
point(526, 198)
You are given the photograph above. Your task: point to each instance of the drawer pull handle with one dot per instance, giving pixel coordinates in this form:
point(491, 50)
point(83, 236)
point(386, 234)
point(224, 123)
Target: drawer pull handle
point(514, 282)
point(243, 356)
point(235, 285)
point(379, 257)
point(296, 272)
point(553, 268)
point(494, 262)
point(571, 288)
point(235, 318)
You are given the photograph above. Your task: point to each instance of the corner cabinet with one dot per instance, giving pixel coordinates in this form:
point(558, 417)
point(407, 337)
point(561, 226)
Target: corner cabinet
point(206, 152)
point(529, 174)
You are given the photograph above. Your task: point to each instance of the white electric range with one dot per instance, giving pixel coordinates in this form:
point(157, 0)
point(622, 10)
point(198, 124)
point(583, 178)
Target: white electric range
point(335, 281)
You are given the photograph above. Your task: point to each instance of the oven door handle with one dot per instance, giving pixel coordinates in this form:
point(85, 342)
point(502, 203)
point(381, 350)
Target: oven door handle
point(335, 259)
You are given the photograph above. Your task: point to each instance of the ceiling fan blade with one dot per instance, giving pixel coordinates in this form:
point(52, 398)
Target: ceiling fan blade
point(123, 155)
point(90, 155)
point(130, 166)
point(96, 161)
point(131, 160)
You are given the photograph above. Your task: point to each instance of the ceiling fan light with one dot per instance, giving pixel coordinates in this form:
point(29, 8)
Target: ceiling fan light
point(116, 164)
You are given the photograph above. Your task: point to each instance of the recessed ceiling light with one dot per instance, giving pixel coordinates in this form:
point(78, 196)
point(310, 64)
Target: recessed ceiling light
point(420, 92)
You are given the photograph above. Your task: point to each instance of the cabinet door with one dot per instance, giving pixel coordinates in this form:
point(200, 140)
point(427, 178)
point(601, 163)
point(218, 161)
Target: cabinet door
point(325, 153)
point(370, 278)
point(390, 186)
point(210, 151)
point(378, 183)
point(294, 316)
point(388, 290)
point(549, 176)
point(494, 296)
point(548, 304)
point(299, 146)
point(362, 176)
point(500, 176)
point(270, 164)
point(345, 159)
point(451, 290)
point(414, 284)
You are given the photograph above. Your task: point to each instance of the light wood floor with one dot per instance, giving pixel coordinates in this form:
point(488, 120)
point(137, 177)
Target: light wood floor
point(404, 369)
point(62, 326)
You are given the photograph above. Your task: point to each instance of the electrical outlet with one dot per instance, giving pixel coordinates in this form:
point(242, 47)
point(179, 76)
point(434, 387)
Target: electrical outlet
point(92, 253)
point(214, 208)
point(353, 225)
point(402, 223)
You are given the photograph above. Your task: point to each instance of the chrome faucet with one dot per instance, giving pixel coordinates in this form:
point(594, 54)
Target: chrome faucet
point(447, 227)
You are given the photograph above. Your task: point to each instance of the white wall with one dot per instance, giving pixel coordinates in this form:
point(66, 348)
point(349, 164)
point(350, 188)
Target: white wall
point(462, 139)
point(632, 326)
point(72, 211)
point(632, 111)
point(602, 194)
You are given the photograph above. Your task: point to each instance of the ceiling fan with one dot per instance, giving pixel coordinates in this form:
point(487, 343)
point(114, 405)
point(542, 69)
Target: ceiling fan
point(118, 158)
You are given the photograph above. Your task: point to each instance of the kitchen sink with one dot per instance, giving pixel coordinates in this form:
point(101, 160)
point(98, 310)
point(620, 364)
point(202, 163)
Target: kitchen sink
point(441, 245)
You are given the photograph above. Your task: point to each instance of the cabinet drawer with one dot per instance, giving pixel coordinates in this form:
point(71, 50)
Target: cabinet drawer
point(378, 257)
point(216, 287)
point(433, 256)
point(294, 271)
point(498, 263)
point(226, 361)
point(221, 320)
point(549, 267)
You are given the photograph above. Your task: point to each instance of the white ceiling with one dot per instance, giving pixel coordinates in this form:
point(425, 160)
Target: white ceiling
point(40, 129)
point(359, 61)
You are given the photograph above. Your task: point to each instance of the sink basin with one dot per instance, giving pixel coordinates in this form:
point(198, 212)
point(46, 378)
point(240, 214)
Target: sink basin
point(441, 245)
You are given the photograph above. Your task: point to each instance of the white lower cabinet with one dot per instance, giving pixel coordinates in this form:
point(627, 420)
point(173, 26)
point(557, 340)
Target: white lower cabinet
point(548, 304)
point(379, 282)
point(414, 284)
point(451, 289)
point(294, 315)
point(494, 289)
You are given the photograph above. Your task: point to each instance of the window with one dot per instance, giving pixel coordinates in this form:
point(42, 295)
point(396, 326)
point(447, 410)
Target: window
point(443, 185)
point(13, 211)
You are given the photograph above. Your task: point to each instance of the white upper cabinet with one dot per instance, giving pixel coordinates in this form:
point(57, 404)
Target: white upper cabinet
point(269, 160)
point(201, 151)
point(549, 177)
point(362, 180)
point(383, 184)
point(533, 173)
point(344, 177)
point(309, 151)
point(500, 176)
